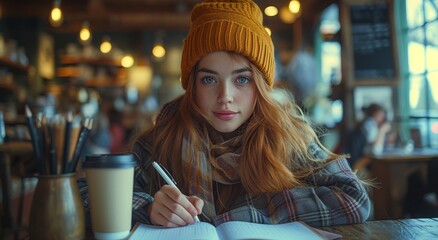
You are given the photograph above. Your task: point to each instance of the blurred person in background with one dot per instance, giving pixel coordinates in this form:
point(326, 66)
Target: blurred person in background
point(117, 131)
point(368, 137)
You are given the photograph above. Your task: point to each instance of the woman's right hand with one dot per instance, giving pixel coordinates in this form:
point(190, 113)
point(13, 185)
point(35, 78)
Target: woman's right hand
point(171, 208)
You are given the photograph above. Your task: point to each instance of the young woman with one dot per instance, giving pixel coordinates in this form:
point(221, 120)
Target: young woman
point(234, 151)
point(375, 127)
point(369, 136)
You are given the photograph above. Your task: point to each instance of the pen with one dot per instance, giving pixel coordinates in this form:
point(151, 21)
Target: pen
point(167, 178)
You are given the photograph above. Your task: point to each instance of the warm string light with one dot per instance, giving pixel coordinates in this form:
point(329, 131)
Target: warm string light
point(288, 13)
point(105, 46)
point(271, 11)
point(287, 16)
point(294, 6)
point(85, 34)
point(56, 17)
point(127, 61)
point(158, 51)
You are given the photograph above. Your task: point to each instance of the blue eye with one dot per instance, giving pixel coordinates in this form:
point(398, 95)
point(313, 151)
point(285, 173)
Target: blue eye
point(208, 80)
point(242, 80)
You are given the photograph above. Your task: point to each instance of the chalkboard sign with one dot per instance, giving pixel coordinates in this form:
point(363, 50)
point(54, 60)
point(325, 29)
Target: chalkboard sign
point(371, 32)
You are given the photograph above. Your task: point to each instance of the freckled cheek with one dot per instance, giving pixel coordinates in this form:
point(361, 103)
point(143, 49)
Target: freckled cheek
point(204, 102)
point(250, 99)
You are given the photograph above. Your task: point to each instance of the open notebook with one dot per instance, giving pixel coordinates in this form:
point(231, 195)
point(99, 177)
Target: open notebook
point(233, 230)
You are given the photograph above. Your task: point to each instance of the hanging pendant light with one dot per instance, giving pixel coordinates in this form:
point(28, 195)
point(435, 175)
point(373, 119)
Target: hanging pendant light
point(106, 46)
point(56, 17)
point(294, 6)
point(127, 61)
point(271, 11)
point(158, 50)
point(85, 33)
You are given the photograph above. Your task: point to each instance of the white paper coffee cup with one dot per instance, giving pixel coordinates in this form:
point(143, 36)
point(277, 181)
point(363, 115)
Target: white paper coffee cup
point(110, 179)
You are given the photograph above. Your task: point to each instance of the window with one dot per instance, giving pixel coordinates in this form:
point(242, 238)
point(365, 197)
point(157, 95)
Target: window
point(330, 57)
point(421, 33)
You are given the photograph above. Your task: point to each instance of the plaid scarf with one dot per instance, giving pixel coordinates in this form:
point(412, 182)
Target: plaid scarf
point(218, 162)
point(220, 165)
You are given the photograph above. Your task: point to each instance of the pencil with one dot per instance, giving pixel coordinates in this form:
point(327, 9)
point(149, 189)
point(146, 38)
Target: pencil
point(83, 135)
point(76, 127)
point(52, 150)
point(59, 130)
point(34, 140)
point(44, 145)
point(67, 141)
point(42, 163)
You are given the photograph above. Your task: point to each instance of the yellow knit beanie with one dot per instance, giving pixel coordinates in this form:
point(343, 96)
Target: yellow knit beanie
point(234, 26)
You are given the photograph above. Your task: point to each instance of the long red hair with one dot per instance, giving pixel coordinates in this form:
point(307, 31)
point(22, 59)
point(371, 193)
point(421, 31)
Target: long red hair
point(275, 143)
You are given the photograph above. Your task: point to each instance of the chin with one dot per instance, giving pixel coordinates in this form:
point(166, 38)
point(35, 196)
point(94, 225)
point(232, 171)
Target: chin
point(225, 129)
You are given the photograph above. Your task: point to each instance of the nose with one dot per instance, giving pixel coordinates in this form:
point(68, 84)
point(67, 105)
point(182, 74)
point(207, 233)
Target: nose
point(225, 94)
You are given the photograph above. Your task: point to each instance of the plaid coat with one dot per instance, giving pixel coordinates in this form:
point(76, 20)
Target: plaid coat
point(335, 196)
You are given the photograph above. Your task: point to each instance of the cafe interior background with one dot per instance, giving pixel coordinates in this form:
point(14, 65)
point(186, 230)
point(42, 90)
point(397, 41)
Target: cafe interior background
point(118, 61)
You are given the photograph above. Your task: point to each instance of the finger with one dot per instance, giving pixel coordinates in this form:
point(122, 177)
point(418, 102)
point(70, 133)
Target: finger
point(173, 214)
point(178, 204)
point(171, 191)
point(197, 203)
point(188, 210)
point(166, 212)
point(160, 220)
point(176, 208)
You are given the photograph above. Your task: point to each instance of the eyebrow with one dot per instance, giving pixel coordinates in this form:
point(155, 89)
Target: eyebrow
point(241, 70)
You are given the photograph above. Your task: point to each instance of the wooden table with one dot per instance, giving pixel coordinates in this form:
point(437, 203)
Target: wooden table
point(405, 229)
point(391, 170)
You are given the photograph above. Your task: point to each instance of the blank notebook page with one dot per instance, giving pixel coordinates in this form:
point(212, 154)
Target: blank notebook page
point(196, 231)
point(245, 230)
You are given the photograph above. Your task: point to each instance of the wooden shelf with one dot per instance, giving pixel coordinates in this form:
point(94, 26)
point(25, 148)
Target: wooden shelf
point(18, 120)
point(68, 72)
point(13, 66)
point(76, 71)
point(107, 73)
point(8, 86)
point(105, 83)
point(98, 61)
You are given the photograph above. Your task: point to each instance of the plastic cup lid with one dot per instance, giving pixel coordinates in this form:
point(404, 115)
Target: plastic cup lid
point(123, 160)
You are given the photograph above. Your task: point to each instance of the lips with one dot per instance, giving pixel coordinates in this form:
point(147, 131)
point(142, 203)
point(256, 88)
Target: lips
point(225, 115)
